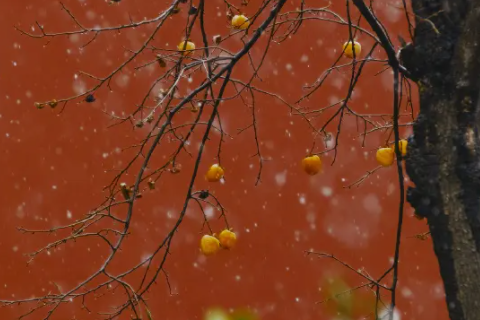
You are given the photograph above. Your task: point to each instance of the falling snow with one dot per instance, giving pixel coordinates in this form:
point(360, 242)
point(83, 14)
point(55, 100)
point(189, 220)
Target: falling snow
point(67, 159)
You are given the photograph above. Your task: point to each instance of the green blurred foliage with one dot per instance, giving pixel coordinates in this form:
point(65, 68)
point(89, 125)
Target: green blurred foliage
point(244, 314)
point(342, 301)
point(237, 314)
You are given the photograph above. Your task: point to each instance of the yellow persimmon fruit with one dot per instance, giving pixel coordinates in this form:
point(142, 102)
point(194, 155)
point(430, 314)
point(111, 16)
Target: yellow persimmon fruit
point(215, 173)
point(312, 165)
point(385, 156)
point(227, 239)
point(189, 47)
point(240, 21)
point(402, 145)
point(348, 49)
point(209, 245)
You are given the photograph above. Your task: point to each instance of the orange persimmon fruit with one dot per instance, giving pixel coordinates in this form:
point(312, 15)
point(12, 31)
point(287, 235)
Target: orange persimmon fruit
point(402, 144)
point(240, 21)
point(186, 47)
point(227, 239)
point(209, 245)
point(348, 49)
point(385, 156)
point(312, 164)
point(215, 173)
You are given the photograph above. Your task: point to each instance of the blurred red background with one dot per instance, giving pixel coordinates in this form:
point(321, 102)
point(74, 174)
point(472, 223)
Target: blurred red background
point(55, 166)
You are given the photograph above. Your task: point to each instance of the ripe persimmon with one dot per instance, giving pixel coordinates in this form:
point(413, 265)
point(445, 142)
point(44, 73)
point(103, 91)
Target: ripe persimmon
point(186, 47)
point(215, 173)
point(209, 245)
point(227, 239)
point(348, 49)
point(385, 156)
point(240, 21)
point(312, 164)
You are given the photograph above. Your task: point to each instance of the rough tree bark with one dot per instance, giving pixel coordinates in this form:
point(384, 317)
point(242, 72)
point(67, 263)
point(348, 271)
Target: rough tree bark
point(444, 151)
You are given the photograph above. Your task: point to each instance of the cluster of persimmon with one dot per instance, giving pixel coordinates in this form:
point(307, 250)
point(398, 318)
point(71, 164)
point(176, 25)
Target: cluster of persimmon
point(211, 244)
point(386, 156)
point(311, 164)
point(239, 22)
point(350, 49)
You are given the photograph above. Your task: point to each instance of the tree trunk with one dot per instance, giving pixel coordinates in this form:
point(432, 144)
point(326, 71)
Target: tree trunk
point(444, 152)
